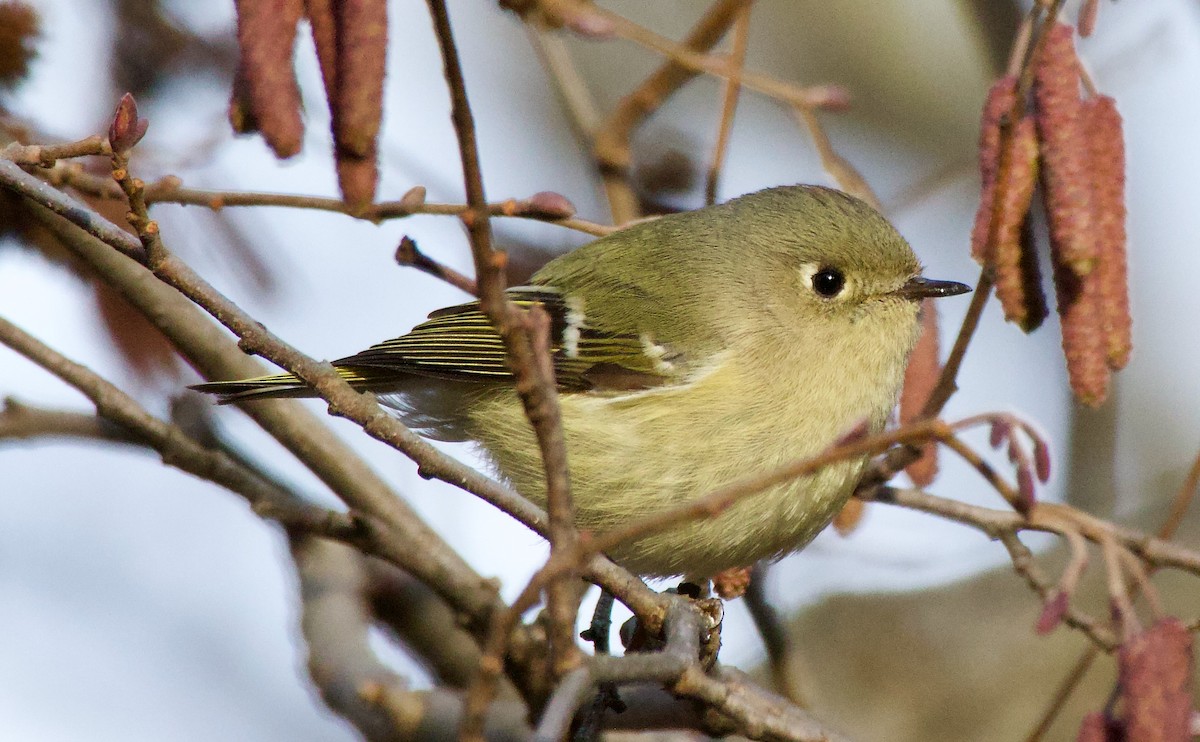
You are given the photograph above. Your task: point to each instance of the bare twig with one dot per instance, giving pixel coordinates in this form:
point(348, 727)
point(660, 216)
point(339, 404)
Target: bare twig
point(733, 87)
point(176, 447)
point(816, 96)
point(46, 155)
point(23, 422)
point(839, 168)
point(611, 146)
point(582, 111)
point(408, 254)
point(527, 348)
point(1025, 565)
point(781, 655)
point(169, 190)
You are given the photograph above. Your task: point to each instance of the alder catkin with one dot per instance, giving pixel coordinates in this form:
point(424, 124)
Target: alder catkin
point(266, 96)
point(323, 27)
point(1066, 174)
point(357, 99)
point(1155, 671)
point(1018, 284)
point(1107, 145)
point(919, 380)
point(1080, 312)
point(361, 59)
point(999, 102)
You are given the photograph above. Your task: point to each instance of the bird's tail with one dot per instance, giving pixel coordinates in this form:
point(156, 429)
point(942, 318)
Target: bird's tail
point(276, 386)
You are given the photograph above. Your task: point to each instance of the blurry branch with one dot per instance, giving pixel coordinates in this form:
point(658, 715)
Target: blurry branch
point(839, 168)
point(1061, 520)
point(177, 449)
point(24, 422)
point(733, 88)
point(335, 621)
point(340, 600)
point(612, 138)
point(816, 96)
point(582, 110)
point(1182, 501)
point(423, 623)
point(781, 654)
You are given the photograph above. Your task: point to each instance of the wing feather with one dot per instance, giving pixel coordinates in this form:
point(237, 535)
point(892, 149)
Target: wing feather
point(459, 343)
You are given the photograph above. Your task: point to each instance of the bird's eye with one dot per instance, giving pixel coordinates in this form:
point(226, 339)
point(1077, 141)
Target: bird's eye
point(828, 282)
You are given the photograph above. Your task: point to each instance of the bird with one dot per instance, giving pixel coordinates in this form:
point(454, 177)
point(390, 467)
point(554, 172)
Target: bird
point(689, 351)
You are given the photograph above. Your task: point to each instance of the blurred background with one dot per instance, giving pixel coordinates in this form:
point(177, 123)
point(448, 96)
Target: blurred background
point(140, 603)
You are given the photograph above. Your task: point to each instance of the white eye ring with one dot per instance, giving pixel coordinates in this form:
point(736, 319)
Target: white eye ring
point(826, 281)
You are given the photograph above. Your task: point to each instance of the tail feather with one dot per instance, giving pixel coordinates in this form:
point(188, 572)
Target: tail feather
point(279, 386)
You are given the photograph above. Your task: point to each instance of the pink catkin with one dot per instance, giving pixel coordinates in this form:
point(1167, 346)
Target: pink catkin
point(1065, 153)
point(919, 380)
point(323, 26)
point(1107, 145)
point(1155, 670)
point(357, 100)
point(267, 81)
point(1079, 308)
point(361, 58)
point(1018, 284)
point(999, 102)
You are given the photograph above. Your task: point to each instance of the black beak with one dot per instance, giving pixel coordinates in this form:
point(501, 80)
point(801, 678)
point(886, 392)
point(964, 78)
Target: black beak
point(919, 287)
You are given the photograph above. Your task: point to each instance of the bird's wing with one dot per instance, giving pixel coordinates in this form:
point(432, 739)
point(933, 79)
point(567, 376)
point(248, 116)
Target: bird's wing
point(458, 343)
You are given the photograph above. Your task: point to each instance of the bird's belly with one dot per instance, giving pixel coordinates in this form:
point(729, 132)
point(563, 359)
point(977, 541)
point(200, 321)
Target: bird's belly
point(633, 456)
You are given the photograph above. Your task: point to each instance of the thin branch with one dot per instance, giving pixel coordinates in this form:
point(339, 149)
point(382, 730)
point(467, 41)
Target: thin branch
point(781, 654)
point(612, 138)
point(168, 190)
point(527, 350)
point(46, 155)
point(176, 448)
point(582, 111)
point(24, 422)
point(16, 180)
point(733, 87)
point(1026, 566)
point(816, 96)
point(839, 168)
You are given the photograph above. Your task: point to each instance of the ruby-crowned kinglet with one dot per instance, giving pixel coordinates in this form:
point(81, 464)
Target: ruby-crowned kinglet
point(689, 351)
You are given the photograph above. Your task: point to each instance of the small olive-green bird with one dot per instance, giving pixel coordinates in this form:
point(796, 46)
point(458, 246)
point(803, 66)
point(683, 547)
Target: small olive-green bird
point(689, 351)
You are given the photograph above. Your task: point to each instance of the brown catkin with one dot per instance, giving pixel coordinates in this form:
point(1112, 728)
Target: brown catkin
point(1018, 284)
point(357, 178)
point(1065, 154)
point(19, 29)
point(1107, 145)
point(919, 380)
point(1155, 673)
point(1087, 17)
point(357, 99)
point(1082, 333)
point(361, 59)
point(322, 24)
point(999, 102)
point(270, 99)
